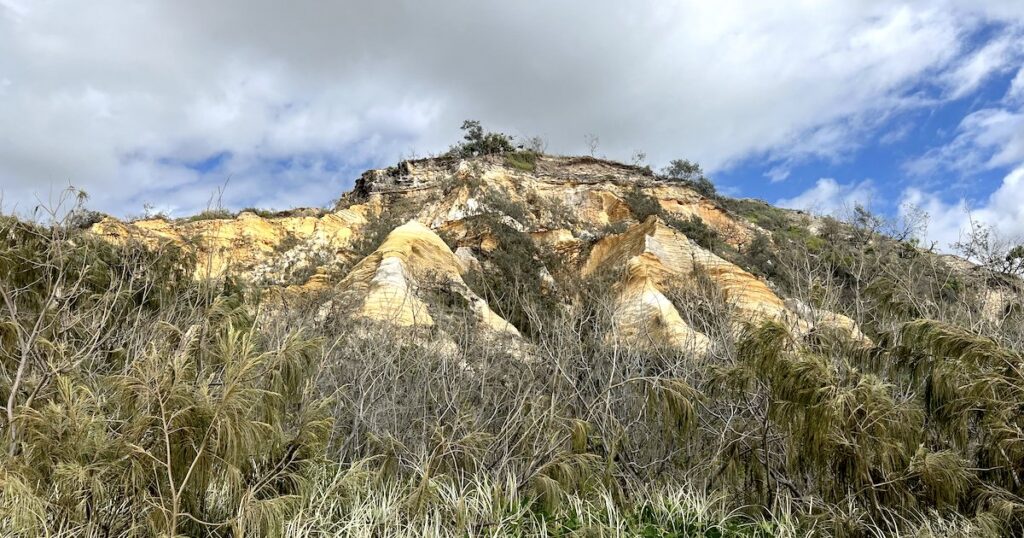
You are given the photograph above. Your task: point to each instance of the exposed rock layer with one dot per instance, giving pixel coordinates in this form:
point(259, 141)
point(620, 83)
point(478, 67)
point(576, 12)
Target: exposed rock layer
point(583, 210)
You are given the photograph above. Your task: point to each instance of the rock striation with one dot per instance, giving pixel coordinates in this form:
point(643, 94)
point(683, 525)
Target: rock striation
point(261, 249)
point(393, 283)
point(595, 217)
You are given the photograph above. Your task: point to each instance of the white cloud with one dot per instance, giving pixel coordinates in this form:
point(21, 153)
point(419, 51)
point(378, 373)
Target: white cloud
point(897, 134)
point(778, 173)
point(1003, 210)
point(1016, 92)
point(998, 55)
point(946, 221)
point(115, 97)
point(829, 197)
point(986, 139)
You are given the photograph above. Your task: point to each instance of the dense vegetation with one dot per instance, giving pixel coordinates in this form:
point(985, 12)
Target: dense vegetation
point(139, 402)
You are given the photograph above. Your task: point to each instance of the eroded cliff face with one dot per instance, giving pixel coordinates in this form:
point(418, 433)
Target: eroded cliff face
point(261, 249)
point(395, 283)
point(591, 216)
point(655, 258)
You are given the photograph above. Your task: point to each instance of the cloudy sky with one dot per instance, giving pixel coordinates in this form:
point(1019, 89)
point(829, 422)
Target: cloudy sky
point(813, 104)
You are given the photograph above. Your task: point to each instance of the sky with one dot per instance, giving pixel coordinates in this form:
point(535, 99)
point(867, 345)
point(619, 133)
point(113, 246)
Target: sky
point(178, 105)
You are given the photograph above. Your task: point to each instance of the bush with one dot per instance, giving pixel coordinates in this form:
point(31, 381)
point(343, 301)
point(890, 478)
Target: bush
point(211, 214)
point(641, 204)
point(683, 170)
point(264, 213)
point(476, 142)
point(690, 173)
point(121, 370)
point(512, 284)
point(759, 257)
point(497, 202)
point(372, 235)
point(81, 218)
point(695, 229)
point(705, 187)
point(760, 213)
point(523, 160)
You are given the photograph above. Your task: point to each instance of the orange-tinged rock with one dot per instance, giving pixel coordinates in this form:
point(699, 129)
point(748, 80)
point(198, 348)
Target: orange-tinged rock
point(682, 202)
point(657, 257)
point(643, 314)
point(563, 204)
point(389, 285)
point(553, 237)
point(603, 207)
point(489, 243)
point(243, 245)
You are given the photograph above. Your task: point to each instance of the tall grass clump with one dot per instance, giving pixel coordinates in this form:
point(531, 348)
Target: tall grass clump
point(141, 402)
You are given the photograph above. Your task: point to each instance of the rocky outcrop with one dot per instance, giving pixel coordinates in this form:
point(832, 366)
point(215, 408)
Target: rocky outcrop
point(656, 258)
point(261, 249)
point(583, 210)
point(581, 195)
point(395, 283)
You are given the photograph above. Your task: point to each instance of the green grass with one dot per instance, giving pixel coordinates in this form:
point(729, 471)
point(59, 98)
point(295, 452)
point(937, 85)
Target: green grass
point(299, 420)
point(211, 214)
point(359, 502)
point(523, 160)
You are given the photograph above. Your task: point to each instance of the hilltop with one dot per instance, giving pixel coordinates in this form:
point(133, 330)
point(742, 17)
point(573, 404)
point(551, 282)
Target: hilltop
point(508, 342)
point(411, 229)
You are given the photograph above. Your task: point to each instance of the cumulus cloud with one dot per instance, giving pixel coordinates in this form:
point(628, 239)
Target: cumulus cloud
point(948, 222)
point(991, 138)
point(829, 197)
point(986, 139)
point(132, 101)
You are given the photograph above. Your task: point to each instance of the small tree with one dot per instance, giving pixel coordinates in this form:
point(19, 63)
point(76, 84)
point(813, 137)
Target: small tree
point(479, 142)
point(638, 158)
point(1014, 260)
point(537, 144)
point(592, 142)
point(683, 169)
point(984, 245)
point(690, 172)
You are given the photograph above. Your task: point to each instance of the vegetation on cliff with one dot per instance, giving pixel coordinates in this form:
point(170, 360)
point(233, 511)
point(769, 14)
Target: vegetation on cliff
point(852, 384)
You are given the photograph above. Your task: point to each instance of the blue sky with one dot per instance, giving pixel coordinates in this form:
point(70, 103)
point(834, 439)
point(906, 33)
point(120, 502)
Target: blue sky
point(818, 105)
point(885, 160)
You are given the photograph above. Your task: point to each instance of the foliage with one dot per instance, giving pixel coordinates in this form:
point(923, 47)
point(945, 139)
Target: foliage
point(375, 231)
point(695, 229)
point(498, 203)
point(498, 507)
point(524, 160)
point(985, 246)
point(141, 402)
point(768, 217)
point(512, 284)
point(211, 214)
point(760, 257)
point(477, 142)
point(643, 205)
point(683, 169)
point(689, 172)
point(264, 213)
point(82, 218)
